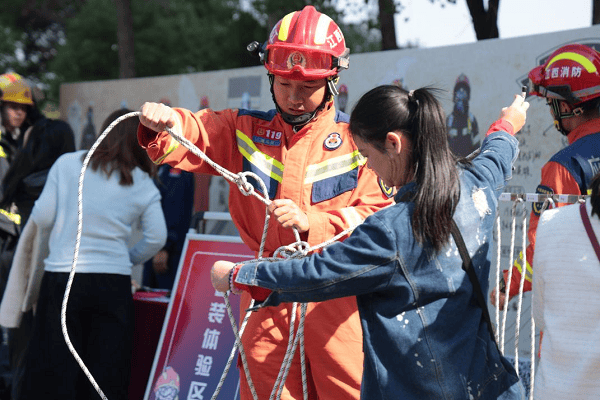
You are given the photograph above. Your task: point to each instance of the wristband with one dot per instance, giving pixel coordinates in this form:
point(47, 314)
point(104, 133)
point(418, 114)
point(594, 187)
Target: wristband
point(232, 287)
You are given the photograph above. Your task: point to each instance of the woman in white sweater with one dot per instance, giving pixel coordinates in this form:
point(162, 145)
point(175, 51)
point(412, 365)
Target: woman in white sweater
point(118, 195)
point(566, 302)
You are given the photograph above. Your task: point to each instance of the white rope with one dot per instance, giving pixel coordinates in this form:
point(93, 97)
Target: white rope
point(498, 272)
point(63, 311)
point(521, 286)
point(510, 258)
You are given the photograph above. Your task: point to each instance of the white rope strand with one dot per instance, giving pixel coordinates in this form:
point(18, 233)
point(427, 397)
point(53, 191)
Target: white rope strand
point(510, 258)
point(63, 311)
point(498, 272)
point(521, 285)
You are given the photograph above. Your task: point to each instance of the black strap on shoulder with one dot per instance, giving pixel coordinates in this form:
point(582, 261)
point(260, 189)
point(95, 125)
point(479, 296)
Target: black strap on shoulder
point(468, 268)
point(588, 228)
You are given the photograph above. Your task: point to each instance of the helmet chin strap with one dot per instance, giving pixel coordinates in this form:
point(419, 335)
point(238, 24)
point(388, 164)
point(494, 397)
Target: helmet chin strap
point(297, 121)
point(558, 116)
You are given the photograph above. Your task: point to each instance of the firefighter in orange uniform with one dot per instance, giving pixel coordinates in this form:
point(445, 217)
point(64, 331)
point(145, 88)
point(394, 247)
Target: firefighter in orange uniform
point(318, 183)
point(569, 80)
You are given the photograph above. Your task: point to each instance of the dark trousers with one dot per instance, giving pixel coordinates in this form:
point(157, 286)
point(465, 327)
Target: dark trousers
point(100, 326)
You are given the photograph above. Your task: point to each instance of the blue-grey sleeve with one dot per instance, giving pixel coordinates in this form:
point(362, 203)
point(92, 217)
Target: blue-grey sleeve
point(493, 165)
point(363, 263)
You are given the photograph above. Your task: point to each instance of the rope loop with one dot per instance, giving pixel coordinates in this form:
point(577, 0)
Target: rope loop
point(242, 183)
point(293, 250)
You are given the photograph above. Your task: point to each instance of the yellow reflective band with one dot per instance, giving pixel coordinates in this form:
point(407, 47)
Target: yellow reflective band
point(322, 27)
point(2, 153)
point(267, 164)
point(529, 270)
point(334, 166)
point(173, 145)
point(578, 58)
point(16, 218)
point(284, 28)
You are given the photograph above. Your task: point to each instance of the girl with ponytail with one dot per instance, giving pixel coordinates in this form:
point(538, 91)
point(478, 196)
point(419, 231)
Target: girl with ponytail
point(418, 268)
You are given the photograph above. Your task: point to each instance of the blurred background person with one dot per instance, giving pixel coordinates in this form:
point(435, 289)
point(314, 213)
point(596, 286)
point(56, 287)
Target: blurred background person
point(118, 194)
point(31, 143)
point(176, 189)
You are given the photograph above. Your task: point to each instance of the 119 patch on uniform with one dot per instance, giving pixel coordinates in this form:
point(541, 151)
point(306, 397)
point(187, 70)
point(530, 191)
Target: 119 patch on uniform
point(268, 137)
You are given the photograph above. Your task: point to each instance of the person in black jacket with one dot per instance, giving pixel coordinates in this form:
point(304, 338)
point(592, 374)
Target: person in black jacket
point(29, 144)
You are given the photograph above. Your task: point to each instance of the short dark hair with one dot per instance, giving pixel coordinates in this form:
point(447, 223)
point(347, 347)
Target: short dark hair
point(120, 150)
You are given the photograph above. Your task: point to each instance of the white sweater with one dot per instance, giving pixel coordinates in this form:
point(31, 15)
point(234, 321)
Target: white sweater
point(566, 301)
point(110, 212)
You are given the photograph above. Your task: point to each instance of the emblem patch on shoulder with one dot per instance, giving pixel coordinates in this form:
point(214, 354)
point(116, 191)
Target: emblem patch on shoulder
point(333, 141)
point(268, 137)
point(388, 191)
point(537, 207)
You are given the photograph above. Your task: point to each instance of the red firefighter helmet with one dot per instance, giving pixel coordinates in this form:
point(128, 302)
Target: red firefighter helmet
point(571, 74)
point(306, 45)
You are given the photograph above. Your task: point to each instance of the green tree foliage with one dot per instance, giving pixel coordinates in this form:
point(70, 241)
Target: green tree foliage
point(62, 41)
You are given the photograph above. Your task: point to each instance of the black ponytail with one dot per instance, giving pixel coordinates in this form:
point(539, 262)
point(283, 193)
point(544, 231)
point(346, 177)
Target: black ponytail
point(418, 114)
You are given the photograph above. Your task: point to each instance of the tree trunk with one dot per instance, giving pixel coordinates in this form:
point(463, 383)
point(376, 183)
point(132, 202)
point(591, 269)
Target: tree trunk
point(125, 40)
point(595, 12)
point(387, 9)
point(485, 22)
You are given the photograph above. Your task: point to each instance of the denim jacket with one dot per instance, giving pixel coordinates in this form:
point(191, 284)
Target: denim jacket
point(424, 334)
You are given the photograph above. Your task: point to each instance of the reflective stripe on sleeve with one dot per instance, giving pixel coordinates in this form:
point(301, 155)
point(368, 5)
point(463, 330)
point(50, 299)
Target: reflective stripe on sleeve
point(529, 270)
point(173, 145)
point(16, 218)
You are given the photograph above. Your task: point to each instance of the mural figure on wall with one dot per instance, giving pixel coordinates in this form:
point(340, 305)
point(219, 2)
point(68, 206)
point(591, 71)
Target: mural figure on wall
point(88, 136)
point(342, 98)
point(204, 103)
point(462, 124)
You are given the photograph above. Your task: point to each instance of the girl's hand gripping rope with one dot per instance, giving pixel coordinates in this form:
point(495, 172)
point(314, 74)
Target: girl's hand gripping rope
point(220, 275)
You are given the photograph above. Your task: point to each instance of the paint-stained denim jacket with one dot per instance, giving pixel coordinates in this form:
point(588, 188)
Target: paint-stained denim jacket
point(424, 335)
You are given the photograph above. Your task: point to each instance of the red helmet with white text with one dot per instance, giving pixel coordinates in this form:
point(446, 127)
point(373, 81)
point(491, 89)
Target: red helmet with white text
point(306, 45)
point(571, 73)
